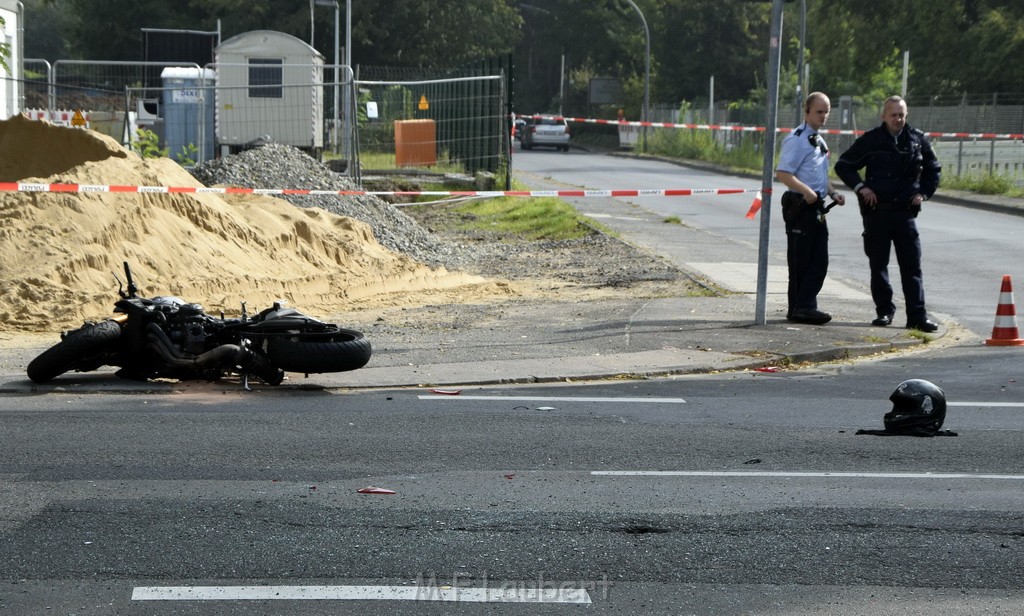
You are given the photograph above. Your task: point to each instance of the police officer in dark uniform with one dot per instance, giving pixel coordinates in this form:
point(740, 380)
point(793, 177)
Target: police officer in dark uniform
point(901, 173)
point(803, 168)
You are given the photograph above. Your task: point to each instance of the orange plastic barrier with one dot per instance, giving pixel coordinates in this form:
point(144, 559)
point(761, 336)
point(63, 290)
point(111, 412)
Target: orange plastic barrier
point(415, 143)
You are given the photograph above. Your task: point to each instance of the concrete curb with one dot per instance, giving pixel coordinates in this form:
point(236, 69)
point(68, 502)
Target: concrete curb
point(650, 364)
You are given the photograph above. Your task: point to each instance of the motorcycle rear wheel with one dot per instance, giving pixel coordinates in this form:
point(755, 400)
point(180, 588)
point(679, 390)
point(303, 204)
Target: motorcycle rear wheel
point(337, 351)
point(81, 348)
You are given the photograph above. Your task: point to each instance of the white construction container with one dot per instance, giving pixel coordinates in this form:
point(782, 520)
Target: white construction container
point(269, 88)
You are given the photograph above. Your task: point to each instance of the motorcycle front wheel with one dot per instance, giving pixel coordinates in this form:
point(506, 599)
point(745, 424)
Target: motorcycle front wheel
point(340, 350)
point(81, 349)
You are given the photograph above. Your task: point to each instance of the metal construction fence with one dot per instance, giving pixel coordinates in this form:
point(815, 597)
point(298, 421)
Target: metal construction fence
point(455, 124)
point(394, 111)
point(437, 121)
point(988, 113)
point(999, 114)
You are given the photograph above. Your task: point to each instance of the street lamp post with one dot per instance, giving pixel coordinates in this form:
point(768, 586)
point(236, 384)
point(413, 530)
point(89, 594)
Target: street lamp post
point(800, 61)
point(349, 112)
point(774, 64)
point(647, 74)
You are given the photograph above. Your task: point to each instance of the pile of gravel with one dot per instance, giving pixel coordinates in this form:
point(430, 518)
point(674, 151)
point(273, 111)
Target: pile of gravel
point(281, 166)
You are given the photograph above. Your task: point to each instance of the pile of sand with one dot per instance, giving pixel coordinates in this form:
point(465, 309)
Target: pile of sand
point(59, 251)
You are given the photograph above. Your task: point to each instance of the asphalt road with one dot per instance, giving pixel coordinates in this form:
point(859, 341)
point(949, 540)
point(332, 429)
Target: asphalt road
point(733, 494)
point(736, 493)
point(966, 251)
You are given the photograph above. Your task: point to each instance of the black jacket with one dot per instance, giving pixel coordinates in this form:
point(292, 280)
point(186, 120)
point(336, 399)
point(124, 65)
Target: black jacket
point(897, 168)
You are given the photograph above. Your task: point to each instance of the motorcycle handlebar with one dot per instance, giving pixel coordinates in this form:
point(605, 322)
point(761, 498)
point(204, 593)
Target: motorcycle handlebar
point(132, 289)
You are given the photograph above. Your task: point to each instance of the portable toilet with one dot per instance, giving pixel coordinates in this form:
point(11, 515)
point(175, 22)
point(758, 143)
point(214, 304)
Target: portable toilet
point(189, 112)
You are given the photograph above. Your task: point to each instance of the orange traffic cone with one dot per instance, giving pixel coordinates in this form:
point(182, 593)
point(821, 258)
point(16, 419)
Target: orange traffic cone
point(1004, 332)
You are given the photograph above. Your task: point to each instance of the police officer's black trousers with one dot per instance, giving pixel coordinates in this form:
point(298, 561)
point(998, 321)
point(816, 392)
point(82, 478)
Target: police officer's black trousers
point(884, 228)
point(806, 255)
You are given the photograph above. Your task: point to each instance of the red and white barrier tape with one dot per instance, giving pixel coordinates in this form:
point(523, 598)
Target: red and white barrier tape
point(761, 129)
point(62, 117)
point(100, 188)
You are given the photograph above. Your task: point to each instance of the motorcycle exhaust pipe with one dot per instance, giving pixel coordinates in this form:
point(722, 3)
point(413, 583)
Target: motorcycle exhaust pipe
point(223, 356)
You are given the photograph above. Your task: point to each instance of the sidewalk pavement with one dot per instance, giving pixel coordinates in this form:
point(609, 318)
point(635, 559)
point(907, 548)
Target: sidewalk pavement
point(631, 338)
point(532, 342)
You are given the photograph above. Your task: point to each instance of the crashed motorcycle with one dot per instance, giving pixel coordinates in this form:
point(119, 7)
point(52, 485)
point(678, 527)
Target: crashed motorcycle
point(167, 337)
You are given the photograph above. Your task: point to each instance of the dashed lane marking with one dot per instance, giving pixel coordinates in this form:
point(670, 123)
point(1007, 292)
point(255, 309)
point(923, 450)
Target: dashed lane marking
point(813, 474)
point(556, 399)
point(511, 592)
point(988, 404)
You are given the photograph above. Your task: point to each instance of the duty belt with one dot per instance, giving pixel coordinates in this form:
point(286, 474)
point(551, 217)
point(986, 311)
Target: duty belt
point(890, 205)
point(820, 210)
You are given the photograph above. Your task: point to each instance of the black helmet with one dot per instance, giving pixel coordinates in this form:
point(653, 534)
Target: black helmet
point(918, 408)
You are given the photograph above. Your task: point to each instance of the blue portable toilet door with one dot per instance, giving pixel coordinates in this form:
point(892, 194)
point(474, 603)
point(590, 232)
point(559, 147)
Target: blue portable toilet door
point(188, 113)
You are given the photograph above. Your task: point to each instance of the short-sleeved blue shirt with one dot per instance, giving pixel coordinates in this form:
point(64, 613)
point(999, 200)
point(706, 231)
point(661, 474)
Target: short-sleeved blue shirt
point(805, 155)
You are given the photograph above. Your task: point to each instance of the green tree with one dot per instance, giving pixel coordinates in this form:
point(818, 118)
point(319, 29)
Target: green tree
point(955, 46)
point(101, 29)
point(388, 32)
point(436, 33)
point(45, 27)
point(5, 49)
point(853, 46)
point(691, 40)
point(698, 39)
point(997, 37)
point(573, 31)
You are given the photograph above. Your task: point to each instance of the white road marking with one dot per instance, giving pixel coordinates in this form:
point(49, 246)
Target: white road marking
point(845, 475)
point(556, 399)
point(510, 592)
point(988, 404)
point(609, 216)
point(650, 400)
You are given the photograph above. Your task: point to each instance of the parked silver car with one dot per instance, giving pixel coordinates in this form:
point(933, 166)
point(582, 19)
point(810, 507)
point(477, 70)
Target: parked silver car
point(545, 130)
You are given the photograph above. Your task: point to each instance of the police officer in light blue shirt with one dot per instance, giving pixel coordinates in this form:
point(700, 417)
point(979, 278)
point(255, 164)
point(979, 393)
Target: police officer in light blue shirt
point(803, 168)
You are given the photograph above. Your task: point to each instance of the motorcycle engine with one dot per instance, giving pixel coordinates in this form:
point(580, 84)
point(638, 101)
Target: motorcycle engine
point(186, 324)
point(195, 337)
point(189, 334)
